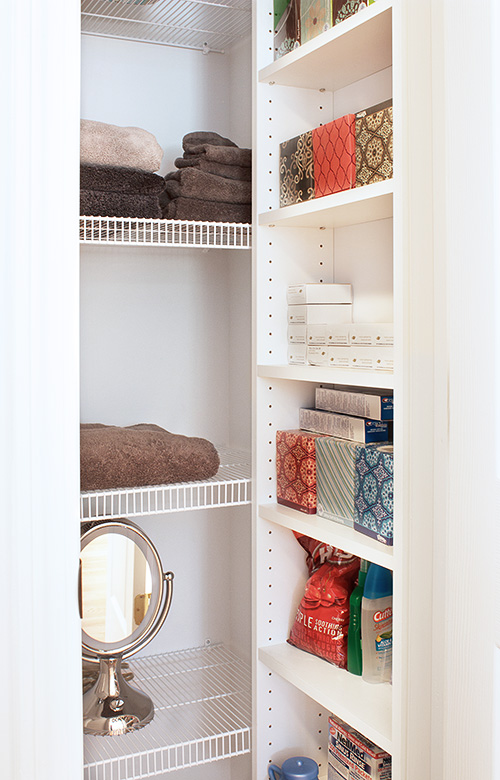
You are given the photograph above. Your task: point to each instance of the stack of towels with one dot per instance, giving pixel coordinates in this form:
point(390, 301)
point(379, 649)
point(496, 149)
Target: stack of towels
point(212, 182)
point(117, 171)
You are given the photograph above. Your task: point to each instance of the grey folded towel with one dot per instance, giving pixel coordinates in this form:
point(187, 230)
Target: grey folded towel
point(204, 137)
point(195, 183)
point(240, 172)
point(122, 180)
point(140, 455)
point(125, 147)
point(116, 204)
point(207, 211)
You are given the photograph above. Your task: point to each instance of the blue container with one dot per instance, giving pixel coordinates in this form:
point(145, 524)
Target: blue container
point(296, 768)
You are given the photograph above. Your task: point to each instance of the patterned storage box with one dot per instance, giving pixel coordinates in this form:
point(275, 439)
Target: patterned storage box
point(343, 9)
point(374, 146)
point(315, 18)
point(296, 469)
point(334, 155)
point(374, 489)
point(335, 469)
point(296, 170)
point(286, 26)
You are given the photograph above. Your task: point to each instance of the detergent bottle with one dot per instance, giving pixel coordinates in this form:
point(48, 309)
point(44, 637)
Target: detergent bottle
point(354, 656)
point(376, 625)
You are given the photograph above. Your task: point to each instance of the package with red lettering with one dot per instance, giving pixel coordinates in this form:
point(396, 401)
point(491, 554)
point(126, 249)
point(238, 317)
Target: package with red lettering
point(322, 618)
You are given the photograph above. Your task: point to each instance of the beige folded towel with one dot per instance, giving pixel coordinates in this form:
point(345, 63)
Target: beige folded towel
point(125, 147)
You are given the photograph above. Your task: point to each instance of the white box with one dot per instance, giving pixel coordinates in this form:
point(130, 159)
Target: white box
point(297, 333)
point(371, 358)
point(333, 335)
point(372, 334)
point(318, 293)
point(320, 313)
point(317, 355)
point(343, 427)
point(337, 357)
point(374, 404)
point(297, 354)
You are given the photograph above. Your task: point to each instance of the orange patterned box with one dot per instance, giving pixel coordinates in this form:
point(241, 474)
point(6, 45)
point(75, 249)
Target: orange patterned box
point(334, 154)
point(296, 469)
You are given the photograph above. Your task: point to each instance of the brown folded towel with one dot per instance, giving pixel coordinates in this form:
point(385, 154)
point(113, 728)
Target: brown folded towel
point(207, 211)
point(229, 155)
point(115, 204)
point(204, 137)
point(240, 172)
point(195, 183)
point(123, 180)
point(141, 455)
point(126, 147)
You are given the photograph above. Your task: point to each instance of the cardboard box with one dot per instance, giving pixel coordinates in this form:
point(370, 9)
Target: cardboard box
point(334, 153)
point(335, 472)
point(373, 404)
point(371, 334)
point(343, 9)
point(286, 26)
point(315, 18)
point(374, 144)
point(296, 470)
point(371, 358)
point(297, 354)
point(374, 488)
point(318, 293)
point(351, 756)
point(343, 427)
point(296, 333)
point(296, 170)
point(328, 334)
point(320, 313)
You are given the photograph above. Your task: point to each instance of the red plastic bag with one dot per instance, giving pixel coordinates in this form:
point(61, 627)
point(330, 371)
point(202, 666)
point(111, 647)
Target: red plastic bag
point(322, 618)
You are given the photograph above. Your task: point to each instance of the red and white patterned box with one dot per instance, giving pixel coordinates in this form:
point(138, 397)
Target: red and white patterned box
point(334, 153)
point(296, 469)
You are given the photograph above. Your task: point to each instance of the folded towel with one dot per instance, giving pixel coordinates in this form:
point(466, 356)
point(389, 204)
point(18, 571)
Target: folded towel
point(115, 204)
point(126, 147)
point(228, 155)
point(195, 183)
point(207, 211)
point(122, 180)
point(203, 137)
point(240, 172)
point(140, 455)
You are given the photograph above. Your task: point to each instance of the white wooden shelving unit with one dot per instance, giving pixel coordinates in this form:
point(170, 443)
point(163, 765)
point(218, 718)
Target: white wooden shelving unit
point(355, 237)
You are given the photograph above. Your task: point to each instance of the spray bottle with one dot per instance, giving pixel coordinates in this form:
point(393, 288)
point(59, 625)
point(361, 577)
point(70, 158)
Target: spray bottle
point(354, 656)
point(376, 625)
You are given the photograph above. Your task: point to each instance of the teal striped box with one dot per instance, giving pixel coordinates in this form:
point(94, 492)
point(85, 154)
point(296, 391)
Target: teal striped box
point(335, 476)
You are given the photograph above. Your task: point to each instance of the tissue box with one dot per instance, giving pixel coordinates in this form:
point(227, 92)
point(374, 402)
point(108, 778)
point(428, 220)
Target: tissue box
point(343, 9)
point(296, 171)
point(315, 18)
point(343, 427)
point(320, 313)
point(334, 153)
point(296, 470)
point(297, 294)
point(351, 755)
point(286, 26)
point(374, 148)
point(374, 404)
point(374, 492)
point(335, 470)
point(371, 334)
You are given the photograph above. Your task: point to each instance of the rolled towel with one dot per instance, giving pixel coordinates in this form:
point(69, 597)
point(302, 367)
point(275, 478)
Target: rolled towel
point(204, 137)
point(124, 147)
point(207, 211)
point(195, 183)
point(122, 180)
point(141, 455)
point(115, 204)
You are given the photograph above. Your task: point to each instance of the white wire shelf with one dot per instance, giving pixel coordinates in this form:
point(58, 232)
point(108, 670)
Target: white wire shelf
point(231, 486)
point(165, 232)
point(206, 25)
point(202, 714)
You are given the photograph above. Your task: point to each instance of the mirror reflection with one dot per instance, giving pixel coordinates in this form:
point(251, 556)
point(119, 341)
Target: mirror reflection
point(116, 587)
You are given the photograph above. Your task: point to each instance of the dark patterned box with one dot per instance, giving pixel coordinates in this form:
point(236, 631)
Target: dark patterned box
point(334, 155)
point(296, 469)
point(315, 18)
point(343, 9)
point(374, 492)
point(296, 170)
point(286, 26)
point(374, 147)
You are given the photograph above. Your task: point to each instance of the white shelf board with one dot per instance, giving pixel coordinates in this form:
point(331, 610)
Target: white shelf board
point(348, 52)
point(366, 707)
point(231, 486)
point(129, 231)
point(356, 377)
point(350, 207)
point(330, 532)
point(202, 714)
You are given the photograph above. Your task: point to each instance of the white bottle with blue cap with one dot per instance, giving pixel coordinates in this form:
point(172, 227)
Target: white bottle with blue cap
point(376, 625)
point(296, 768)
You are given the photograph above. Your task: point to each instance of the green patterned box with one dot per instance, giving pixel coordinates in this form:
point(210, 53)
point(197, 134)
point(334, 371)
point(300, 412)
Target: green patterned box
point(335, 473)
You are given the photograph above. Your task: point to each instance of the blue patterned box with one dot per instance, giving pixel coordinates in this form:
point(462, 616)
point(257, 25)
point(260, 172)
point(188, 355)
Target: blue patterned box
point(374, 492)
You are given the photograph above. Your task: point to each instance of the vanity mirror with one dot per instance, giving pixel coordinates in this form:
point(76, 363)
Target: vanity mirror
point(124, 599)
